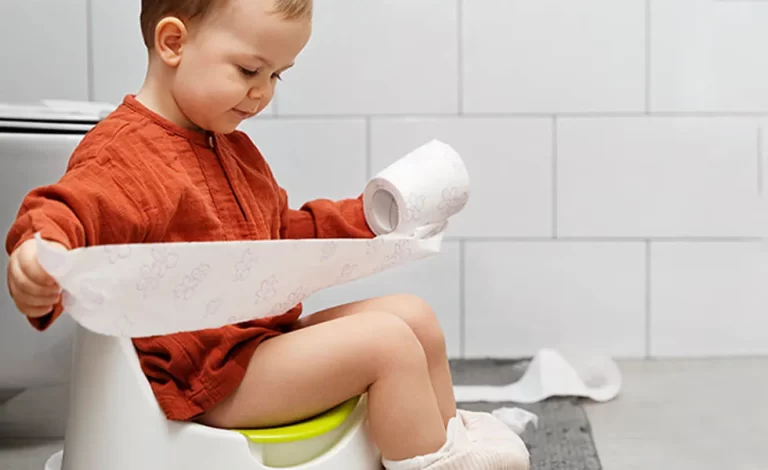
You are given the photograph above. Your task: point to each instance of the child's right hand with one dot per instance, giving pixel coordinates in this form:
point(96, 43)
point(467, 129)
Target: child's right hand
point(33, 290)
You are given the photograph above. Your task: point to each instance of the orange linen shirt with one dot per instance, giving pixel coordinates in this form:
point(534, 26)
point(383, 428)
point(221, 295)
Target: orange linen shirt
point(139, 178)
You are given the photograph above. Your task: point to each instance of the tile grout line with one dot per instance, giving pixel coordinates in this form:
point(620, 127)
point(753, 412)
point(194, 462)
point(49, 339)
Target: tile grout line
point(648, 293)
point(368, 152)
point(760, 163)
point(462, 300)
point(530, 115)
point(648, 57)
point(460, 55)
point(90, 75)
point(597, 239)
point(555, 176)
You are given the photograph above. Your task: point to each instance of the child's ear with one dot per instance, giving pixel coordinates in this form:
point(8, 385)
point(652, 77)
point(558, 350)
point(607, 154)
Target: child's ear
point(170, 35)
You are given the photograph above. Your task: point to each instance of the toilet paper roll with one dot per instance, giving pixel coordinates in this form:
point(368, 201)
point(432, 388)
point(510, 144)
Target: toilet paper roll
point(418, 193)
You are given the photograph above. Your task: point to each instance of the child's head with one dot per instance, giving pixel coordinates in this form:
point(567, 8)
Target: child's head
point(219, 60)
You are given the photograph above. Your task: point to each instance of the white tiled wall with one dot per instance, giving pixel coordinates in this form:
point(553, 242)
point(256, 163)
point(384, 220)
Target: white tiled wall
point(520, 296)
point(553, 56)
point(708, 55)
point(614, 149)
point(657, 177)
point(377, 58)
point(43, 49)
point(509, 161)
point(708, 298)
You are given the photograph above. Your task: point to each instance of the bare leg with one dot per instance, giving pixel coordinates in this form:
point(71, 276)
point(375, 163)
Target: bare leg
point(422, 320)
point(305, 372)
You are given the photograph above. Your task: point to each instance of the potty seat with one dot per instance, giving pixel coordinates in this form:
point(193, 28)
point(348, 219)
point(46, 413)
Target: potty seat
point(115, 423)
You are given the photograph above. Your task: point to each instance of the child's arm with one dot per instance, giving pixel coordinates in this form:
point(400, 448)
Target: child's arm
point(323, 218)
point(99, 201)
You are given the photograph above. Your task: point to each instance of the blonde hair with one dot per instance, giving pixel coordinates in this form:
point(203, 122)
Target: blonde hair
point(153, 11)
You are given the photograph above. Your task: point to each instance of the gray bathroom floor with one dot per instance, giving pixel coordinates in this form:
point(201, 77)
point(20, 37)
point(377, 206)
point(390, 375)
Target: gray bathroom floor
point(676, 415)
point(686, 415)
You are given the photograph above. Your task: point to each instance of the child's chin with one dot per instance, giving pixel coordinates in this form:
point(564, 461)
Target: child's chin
point(225, 127)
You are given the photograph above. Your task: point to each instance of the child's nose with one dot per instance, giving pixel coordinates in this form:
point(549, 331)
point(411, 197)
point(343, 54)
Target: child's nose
point(254, 93)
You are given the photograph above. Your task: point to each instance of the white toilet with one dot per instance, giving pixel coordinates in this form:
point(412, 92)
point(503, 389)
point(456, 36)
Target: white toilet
point(35, 146)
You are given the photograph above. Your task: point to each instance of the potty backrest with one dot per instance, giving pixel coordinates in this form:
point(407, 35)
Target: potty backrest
point(115, 422)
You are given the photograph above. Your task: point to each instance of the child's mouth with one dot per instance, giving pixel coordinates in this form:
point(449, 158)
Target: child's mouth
point(243, 114)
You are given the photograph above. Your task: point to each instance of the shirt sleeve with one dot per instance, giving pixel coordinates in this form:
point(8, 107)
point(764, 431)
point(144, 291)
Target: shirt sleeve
point(97, 202)
point(323, 218)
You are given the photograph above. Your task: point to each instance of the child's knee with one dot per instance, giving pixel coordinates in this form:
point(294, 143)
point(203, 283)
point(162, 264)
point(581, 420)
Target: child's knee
point(423, 321)
point(393, 343)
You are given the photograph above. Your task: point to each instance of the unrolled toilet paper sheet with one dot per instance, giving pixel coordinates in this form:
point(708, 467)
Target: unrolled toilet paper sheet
point(156, 289)
point(549, 374)
point(552, 374)
point(140, 290)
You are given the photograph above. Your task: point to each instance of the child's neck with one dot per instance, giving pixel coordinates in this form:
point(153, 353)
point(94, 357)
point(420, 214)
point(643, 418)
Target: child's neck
point(156, 95)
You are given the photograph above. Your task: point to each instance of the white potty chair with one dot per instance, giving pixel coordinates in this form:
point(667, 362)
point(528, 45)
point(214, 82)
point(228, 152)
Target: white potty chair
point(115, 423)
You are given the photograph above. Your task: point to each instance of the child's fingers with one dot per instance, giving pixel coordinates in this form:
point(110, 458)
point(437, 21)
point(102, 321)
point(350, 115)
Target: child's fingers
point(23, 285)
point(29, 305)
point(35, 312)
point(33, 270)
point(47, 302)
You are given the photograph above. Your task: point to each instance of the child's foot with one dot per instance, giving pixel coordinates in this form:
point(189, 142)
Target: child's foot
point(457, 443)
point(491, 436)
point(476, 441)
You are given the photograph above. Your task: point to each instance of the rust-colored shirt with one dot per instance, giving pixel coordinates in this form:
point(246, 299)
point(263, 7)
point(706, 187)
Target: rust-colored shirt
point(139, 178)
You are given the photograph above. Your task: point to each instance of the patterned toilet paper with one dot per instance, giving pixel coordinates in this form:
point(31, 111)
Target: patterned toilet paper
point(141, 290)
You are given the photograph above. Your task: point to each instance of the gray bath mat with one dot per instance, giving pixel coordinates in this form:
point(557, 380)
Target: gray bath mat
point(563, 439)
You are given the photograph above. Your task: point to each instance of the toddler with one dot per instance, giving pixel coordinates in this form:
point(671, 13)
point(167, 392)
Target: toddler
point(168, 165)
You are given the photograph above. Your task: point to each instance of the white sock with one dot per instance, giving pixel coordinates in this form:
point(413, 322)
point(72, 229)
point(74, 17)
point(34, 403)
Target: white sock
point(456, 438)
point(476, 441)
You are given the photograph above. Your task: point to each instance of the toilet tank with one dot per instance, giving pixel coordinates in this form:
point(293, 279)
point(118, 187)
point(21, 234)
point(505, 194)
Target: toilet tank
point(35, 145)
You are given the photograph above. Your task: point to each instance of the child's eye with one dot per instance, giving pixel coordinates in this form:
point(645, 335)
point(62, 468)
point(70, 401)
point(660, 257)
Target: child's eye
point(277, 76)
point(248, 73)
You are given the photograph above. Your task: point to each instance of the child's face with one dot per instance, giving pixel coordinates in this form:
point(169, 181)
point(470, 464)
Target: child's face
point(231, 63)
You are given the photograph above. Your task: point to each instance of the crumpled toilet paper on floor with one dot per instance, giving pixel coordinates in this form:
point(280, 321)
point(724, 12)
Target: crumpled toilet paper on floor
point(141, 290)
point(516, 419)
point(550, 374)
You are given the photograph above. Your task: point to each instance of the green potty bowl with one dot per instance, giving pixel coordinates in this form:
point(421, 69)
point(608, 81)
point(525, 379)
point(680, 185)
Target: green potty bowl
point(293, 444)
